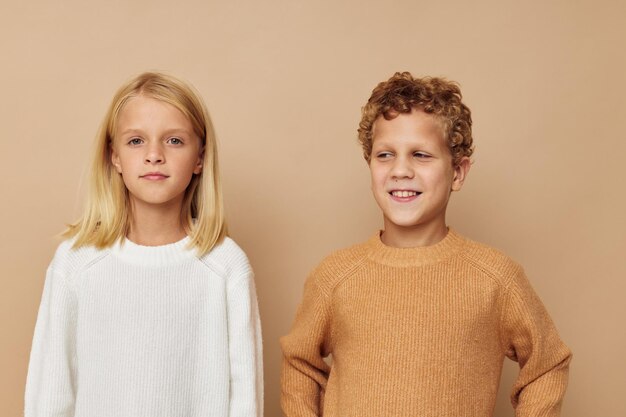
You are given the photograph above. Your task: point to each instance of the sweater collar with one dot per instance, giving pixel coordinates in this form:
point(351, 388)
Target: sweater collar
point(451, 244)
point(169, 254)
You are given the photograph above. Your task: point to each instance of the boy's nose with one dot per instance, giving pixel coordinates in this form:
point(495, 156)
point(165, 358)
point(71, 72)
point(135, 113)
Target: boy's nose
point(401, 169)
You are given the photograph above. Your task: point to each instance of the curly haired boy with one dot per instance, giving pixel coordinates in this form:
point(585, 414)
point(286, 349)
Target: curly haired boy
point(418, 319)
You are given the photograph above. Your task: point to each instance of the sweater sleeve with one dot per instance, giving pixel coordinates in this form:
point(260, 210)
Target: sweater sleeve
point(51, 381)
point(531, 339)
point(304, 372)
point(245, 346)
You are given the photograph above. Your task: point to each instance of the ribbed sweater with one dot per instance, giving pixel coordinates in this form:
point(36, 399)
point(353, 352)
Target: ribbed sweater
point(136, 331)
point(420, 332)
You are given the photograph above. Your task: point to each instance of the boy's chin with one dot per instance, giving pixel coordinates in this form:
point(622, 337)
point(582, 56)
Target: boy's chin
point(413, 227)
point(406, 223)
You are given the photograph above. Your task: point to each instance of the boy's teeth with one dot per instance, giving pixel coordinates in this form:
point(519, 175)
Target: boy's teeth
point(403, 193)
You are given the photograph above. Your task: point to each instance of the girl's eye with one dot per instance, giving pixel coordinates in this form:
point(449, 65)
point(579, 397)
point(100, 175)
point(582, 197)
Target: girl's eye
point(384, 155)
point(421, 155)
point(135, 141)
point(175, 141)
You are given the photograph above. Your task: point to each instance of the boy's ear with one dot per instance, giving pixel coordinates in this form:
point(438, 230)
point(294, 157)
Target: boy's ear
point(115, 159)
point(199, 163)
point(460, 173)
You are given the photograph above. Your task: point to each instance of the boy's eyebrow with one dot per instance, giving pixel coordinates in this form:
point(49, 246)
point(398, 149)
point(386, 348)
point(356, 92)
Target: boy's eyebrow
point(381, 143)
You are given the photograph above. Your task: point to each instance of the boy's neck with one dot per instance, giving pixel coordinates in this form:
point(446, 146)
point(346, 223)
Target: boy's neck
point(156, 226)
point(407, 237)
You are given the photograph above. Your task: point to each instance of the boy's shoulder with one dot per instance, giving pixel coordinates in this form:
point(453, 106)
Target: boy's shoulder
point(490, 260)
point(227, 259)
point(339, 264)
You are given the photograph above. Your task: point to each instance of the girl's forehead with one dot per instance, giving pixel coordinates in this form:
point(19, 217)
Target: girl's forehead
point(146, 115)
point(149, 109)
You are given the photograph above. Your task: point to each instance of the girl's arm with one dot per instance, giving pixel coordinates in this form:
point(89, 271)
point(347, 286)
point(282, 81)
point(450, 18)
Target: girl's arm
point(51, 382)
point(246, 355)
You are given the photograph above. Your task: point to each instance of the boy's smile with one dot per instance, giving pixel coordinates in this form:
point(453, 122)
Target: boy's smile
point(404, 195)
point(412, 177)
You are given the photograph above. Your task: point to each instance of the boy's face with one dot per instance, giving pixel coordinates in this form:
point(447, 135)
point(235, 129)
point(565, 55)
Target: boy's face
point(412, 177)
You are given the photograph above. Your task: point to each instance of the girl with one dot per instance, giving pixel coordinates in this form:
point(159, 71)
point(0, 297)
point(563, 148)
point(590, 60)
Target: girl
point(148, 308)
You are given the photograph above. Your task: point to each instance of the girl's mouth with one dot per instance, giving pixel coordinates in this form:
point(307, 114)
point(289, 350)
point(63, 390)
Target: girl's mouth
point(154, 176)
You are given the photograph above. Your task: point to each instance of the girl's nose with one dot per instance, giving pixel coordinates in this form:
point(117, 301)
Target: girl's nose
point(154, 155)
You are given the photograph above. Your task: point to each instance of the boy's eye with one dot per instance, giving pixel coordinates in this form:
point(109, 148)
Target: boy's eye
point(175, 141)
point(135, 141)
point(384, 155)
point(421, 155)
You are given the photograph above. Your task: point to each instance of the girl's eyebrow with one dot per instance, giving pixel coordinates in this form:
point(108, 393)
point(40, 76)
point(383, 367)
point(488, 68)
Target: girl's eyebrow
point(166, 132)
point(126, 131)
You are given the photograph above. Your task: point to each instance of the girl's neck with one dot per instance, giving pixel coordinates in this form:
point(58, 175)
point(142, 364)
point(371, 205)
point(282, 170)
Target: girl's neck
point(156, 226)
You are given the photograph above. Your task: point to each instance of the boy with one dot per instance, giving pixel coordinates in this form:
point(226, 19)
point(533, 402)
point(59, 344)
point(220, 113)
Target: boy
point(418, 319)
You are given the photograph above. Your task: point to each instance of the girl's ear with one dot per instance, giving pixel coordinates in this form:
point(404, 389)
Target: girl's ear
point(460, 173)
point(115, 159)
point(199, 163)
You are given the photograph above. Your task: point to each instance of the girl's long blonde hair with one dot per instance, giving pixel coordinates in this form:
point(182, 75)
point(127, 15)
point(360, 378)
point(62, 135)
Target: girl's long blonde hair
point(107, 213)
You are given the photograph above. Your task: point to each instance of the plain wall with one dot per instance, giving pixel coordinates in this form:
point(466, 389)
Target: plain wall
point(284, 82)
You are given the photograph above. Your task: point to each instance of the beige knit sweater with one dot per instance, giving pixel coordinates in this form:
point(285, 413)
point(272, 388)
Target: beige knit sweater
point(420, 332)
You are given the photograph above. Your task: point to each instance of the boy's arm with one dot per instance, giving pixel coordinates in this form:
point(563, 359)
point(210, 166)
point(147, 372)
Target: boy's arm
point(304, 372)
point(51, 381)
point(246, 355)
point(530, 338)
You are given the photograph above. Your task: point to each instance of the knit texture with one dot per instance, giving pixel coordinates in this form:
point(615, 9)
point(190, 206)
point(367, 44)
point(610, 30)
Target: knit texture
point(147, 331)
point(420, 332)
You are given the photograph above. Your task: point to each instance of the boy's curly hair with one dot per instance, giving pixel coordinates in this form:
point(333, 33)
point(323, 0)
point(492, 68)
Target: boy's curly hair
point(402, 93)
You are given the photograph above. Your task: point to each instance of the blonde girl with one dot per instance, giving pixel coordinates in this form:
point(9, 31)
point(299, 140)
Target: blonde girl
point(148, 309)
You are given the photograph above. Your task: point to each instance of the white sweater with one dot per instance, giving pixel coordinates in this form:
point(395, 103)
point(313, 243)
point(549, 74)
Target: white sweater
point(137, 331)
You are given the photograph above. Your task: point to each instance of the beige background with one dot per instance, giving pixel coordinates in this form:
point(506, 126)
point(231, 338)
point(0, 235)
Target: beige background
point(284, 82)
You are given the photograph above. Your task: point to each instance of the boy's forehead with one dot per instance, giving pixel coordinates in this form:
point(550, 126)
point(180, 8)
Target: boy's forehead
point(414, 124)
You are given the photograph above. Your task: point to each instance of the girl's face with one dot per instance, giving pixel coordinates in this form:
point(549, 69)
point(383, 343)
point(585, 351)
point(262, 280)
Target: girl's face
point(156, 151)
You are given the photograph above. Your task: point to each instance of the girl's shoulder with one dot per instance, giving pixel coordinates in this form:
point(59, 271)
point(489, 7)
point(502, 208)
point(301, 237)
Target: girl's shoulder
point(69, 259)
point(227, 259)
